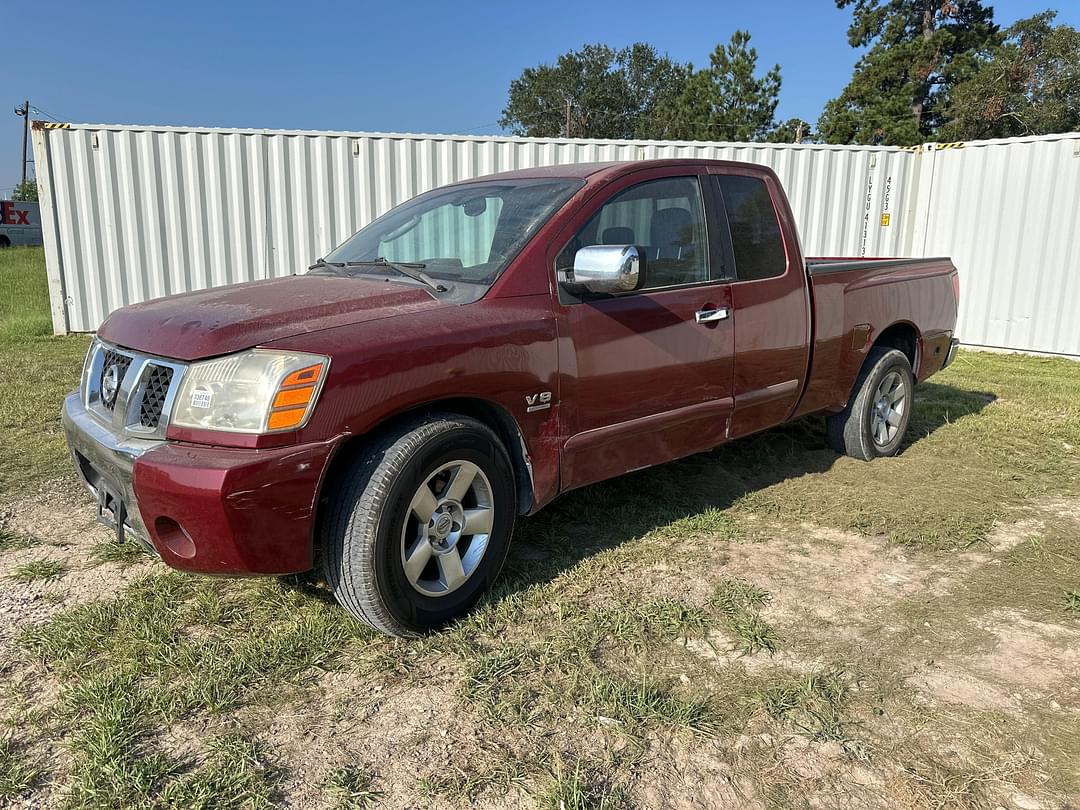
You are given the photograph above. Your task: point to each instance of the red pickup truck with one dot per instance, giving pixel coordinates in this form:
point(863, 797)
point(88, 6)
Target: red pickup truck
point(477, 351)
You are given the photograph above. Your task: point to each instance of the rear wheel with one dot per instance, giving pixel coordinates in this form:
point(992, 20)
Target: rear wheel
point(419, 526)
point(877, 415)
point(4, 242)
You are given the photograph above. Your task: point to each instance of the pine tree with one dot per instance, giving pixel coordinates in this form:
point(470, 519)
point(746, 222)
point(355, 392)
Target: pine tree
point(726, 101)
point(1029, 85)
point(918, 51)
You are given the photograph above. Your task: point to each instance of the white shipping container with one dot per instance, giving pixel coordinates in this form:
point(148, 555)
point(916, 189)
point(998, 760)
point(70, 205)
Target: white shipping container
point(132, 213)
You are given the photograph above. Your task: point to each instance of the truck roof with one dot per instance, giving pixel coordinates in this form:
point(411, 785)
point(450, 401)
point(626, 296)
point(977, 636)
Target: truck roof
point(598, 171)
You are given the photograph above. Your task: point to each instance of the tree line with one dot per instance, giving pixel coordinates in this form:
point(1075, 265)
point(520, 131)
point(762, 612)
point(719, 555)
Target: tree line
point(933, 70)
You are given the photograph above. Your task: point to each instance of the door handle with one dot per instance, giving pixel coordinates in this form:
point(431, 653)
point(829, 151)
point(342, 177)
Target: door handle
point(711, 315)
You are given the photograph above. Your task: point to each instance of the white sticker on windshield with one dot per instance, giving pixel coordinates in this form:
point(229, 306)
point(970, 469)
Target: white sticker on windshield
point(200, 398)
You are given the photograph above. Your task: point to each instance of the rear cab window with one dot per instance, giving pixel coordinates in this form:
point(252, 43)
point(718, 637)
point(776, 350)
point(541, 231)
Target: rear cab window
point(755, 230)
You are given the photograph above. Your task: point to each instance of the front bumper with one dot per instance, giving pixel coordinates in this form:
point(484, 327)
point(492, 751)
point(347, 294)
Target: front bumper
point(106, 462)
point(206, 509)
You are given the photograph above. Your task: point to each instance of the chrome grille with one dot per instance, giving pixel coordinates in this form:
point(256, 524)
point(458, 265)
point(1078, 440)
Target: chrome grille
point(136, 399)
point(157, 383)
point(123, 363)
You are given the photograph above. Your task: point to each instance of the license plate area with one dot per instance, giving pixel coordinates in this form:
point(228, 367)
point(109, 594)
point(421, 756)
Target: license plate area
point(111, 510)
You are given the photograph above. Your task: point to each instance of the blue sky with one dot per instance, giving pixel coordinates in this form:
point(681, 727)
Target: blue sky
point(405, 66)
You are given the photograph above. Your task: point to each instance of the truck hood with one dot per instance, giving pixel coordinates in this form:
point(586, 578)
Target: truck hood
point(207, 323)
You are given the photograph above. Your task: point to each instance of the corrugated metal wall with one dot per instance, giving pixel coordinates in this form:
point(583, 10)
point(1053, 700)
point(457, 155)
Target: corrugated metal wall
point(1008, 212)
point(135, 213)
point(132, 213)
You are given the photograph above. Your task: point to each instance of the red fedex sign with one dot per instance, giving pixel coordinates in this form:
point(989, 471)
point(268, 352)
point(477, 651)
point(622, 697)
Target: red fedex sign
point(10, 215)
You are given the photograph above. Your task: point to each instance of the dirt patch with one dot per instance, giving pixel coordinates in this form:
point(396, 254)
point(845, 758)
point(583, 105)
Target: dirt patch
point(887, 610)
point(401, 734)
point(61, 518)
point(837, 582)
point(723, 649)
point(1028, 662)
point(1068, 508)
point(1008, 536)
point(668, 579)
point(693, 775)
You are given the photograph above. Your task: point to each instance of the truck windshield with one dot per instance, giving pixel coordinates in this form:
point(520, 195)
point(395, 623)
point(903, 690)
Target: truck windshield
point(466, 233)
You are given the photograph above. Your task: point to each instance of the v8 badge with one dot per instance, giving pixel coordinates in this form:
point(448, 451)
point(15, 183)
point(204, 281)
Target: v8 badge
point(537, 402)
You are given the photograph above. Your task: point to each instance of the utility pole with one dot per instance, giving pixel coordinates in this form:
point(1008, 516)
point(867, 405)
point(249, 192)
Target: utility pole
point(569, 104)
point(24, 111)
point(798, 132)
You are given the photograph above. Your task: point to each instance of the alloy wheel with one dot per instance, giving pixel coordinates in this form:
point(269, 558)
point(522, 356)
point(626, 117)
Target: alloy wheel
point(446, 531)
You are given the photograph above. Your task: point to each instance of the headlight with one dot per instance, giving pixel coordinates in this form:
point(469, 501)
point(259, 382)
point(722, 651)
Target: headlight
point(257, 391)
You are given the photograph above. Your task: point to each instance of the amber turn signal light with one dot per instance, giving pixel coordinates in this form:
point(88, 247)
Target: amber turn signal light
point(285, 419)
point(308, 375)
point(294, 397)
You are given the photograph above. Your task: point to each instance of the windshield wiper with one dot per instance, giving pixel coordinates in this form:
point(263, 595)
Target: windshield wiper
point(335, 268)
point(413, 270)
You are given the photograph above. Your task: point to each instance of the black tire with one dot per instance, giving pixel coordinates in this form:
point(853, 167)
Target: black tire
point(4, 242)
point(370, 519)
point(852, 431)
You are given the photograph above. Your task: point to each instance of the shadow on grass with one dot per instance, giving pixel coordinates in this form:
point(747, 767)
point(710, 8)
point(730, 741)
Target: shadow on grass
point(606, 515)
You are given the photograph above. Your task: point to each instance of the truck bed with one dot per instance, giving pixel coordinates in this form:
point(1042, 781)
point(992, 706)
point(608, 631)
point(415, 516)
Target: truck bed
point(855, 300)
point(820, 265)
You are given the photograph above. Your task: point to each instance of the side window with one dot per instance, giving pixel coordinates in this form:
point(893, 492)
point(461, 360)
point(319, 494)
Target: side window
point(755, 230)
point(665, 219)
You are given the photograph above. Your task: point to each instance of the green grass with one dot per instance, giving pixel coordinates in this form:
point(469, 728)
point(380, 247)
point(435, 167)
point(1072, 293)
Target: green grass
point(17, 773)
point(36, 371)
point(24, 293)
point(165, 649)
point(739, 601)
point(466, 782)
point(250, 636)
point(234, 773)
point(37, 570)
point(1072, 601)
point(115, 763)
point(580, 787)
point(532, 682)
point(15, 541)
point(352, 788)
point(127, 553)
point(814, 704)
point(642, 704)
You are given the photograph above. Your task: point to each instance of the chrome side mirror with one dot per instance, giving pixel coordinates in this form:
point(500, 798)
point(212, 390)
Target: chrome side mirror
point(606, 269)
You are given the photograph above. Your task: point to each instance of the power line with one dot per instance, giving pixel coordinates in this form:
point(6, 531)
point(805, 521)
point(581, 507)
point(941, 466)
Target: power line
point(47, 114)
point(481, 126)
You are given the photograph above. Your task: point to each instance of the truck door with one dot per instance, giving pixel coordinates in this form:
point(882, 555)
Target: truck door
point(770, 302)
point(646, 375)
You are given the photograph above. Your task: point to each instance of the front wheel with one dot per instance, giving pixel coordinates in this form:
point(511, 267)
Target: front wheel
point(879, 410)
point(419, 526)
